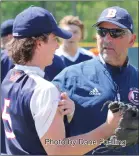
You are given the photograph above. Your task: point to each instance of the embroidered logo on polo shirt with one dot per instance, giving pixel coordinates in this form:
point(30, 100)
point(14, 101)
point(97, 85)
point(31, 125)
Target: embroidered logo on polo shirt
point(133, 96)
point(94, 91)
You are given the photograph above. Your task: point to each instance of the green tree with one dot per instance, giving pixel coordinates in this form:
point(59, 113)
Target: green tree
point(88, 11)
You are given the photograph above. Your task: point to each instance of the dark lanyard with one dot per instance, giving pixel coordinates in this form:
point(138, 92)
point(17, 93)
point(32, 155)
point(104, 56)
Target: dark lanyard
point(118, 97)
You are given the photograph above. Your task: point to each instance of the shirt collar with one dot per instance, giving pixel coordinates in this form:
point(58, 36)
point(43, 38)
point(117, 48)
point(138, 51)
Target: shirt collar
point(30, 69)
point(114, 68)
point(125, 64)
point(61, 51)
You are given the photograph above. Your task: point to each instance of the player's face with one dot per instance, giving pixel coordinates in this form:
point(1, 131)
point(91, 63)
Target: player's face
point(113, 46)
point(76, 34)
point(47, 50)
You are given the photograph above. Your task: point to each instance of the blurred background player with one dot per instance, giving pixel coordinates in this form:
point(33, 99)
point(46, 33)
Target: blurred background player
point(69, 50)
point(6, 32)
point(6, 36)
point(6, 63)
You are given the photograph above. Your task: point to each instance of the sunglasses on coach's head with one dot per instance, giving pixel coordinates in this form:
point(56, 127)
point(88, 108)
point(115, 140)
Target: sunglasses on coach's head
point(114, 33)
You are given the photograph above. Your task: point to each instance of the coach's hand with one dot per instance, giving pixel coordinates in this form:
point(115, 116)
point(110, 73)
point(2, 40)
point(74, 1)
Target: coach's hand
point(66, 106)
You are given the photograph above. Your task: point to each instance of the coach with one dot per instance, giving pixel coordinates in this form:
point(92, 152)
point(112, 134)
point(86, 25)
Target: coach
point(107, 77)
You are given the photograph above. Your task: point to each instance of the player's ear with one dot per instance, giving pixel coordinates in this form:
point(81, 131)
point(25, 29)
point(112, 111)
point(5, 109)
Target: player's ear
point(132, 40)
point(38, 44)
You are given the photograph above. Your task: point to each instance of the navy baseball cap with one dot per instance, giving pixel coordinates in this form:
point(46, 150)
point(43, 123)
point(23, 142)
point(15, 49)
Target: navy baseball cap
point(35, 21)
point(117, 16)
point(7, 27)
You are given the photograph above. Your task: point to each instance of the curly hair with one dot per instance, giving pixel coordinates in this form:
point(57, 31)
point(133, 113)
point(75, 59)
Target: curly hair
point(22, 50)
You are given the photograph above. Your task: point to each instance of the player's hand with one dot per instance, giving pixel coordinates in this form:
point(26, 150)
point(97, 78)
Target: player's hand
point(66, 105)
point(114, 114)
point(113, 119)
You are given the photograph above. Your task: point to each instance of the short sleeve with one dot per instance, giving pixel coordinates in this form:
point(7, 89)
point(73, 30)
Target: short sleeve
point(43, 105)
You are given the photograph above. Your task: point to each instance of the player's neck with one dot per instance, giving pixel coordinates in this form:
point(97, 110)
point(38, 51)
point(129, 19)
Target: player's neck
point(35, 64)
point(71, 50)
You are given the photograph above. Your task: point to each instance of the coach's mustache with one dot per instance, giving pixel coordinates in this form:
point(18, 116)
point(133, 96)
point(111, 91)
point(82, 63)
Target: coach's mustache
point(107, 45)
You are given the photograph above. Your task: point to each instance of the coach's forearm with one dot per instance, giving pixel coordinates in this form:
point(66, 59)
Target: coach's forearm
point(96, 136)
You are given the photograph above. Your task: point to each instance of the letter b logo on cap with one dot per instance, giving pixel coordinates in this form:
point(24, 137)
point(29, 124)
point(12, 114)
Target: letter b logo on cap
point(111, 13)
